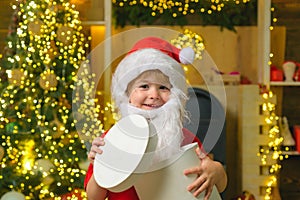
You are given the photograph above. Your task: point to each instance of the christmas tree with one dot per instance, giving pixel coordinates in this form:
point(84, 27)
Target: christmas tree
point(41, 151)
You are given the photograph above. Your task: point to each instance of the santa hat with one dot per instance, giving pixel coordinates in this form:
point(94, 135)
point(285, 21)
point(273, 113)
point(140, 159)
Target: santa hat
point(184, 56)
point(151, 53)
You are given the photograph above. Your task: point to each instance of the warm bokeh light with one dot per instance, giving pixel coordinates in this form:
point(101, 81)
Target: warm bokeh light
point(271, 153)
point(42, 149)
point(175, 7)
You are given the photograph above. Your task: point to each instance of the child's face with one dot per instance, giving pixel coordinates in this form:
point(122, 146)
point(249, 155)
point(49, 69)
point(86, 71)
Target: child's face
point(150, 90)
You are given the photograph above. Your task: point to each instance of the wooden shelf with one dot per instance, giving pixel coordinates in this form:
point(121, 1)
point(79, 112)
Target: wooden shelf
point(91, 23)
point(282, 83)
point(291, 153)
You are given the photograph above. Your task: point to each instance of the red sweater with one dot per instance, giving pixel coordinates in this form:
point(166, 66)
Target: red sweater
point(131, 194)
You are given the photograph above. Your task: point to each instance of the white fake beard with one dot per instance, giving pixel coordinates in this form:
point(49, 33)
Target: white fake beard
point(168, 125)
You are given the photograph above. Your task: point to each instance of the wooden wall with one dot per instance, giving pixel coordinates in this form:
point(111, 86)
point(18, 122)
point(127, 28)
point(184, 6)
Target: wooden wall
point(230, 51)
point(6, 17)
point(288, 15)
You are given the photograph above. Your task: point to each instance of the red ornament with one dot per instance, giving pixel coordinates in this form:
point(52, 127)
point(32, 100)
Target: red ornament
point(76, 194)
point(276, 74)
point(296, 76)
point(245, 196)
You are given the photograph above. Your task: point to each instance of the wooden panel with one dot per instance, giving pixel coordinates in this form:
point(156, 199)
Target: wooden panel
point(251, 140)
point(5, 13)
point(289, 178)
point(278, 45)
point(5, 16)
point(290, 105)
point(90, 10)
point(288, 14)
point(286, 1)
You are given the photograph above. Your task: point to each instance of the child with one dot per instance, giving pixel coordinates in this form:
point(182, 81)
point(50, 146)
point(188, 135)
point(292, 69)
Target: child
point(151, 82)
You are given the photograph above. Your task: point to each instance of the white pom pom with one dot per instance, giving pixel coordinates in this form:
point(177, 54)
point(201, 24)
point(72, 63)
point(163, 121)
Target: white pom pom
point(13, 195)
point(186, 55)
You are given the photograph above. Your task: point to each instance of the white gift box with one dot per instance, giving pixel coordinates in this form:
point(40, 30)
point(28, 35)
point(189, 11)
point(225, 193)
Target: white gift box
point(125, 151)
point(169, 182)
point(127, 156)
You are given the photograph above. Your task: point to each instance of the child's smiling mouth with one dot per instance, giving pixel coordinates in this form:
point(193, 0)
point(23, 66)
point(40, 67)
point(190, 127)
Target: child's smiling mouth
point(152, 105)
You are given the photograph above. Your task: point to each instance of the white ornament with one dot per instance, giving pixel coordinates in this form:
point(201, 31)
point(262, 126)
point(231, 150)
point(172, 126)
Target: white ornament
point(48, 80)
point(289, 70)
point(13, 195)
point(35, 27)
point(65, 35)
point(44, 165)
point(16, 76)
point(288, 139)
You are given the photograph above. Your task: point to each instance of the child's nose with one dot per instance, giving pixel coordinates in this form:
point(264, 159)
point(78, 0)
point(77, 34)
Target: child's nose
point(154, 93)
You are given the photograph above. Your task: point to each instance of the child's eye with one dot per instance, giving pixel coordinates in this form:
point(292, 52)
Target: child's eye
point(162, 87)
point(145, 86)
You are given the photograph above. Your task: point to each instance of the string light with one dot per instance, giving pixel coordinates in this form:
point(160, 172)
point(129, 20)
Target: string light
point(273, 151)
point(179, 7)
point(271, 154)
point(190, 39)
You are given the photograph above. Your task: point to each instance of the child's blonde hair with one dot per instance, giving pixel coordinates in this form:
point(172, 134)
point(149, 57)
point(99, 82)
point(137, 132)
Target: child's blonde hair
point(160, 78)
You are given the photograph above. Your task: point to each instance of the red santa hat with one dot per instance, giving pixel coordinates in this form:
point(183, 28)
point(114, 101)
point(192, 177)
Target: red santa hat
point(151, 53)
point(184, 56)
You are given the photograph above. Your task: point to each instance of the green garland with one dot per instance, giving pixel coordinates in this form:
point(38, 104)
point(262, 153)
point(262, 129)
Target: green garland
point(230, 15)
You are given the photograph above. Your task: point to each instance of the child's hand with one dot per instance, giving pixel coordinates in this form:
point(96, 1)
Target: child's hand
point(209, 173)
point(97, 142)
